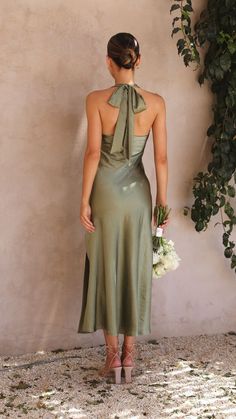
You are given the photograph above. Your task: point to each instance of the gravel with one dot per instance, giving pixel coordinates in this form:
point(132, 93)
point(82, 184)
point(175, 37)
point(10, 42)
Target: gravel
point(175, 377)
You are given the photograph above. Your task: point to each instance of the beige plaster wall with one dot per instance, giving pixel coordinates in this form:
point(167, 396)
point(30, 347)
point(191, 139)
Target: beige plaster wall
point(52, 55)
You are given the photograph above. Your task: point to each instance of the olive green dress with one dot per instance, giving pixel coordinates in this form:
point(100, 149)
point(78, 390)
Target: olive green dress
point(118, 262)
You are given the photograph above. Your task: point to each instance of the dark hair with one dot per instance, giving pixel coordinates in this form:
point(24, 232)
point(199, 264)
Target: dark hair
point(123, 48)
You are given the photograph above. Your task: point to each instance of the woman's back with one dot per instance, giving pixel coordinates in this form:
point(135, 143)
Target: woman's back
point(143, 121)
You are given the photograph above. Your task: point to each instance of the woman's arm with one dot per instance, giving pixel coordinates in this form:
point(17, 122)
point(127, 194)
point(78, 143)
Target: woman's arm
point(160, 152)
point(91, 157)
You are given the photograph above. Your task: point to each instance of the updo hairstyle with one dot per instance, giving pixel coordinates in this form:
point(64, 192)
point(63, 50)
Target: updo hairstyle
point(123, 48)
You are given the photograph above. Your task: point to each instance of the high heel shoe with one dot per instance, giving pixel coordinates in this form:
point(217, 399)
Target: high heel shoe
point(127, 360)
point(113, 363)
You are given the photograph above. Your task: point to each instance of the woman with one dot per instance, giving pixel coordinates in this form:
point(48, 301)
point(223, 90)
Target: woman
point(116, 205)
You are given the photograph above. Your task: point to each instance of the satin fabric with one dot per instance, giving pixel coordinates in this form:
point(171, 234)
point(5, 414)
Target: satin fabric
point(130, 102)
point(118, 261)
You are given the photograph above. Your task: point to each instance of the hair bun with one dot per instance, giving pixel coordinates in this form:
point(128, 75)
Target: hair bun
point(128, 58)
point(123, 48)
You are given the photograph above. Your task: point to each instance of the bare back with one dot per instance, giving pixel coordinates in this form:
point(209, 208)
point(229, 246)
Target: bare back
point(143, 121)
point(102, 118)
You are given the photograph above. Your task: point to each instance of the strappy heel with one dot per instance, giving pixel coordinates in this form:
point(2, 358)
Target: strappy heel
point(127, 359)
point(112, 364)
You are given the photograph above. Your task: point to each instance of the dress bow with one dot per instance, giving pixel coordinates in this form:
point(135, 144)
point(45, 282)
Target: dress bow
point(125, 97)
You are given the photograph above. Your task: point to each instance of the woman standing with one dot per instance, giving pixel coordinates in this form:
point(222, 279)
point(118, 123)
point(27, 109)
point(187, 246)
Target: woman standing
point(116, 205)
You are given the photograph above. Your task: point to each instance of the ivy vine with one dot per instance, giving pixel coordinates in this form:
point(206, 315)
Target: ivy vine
point(214, 190)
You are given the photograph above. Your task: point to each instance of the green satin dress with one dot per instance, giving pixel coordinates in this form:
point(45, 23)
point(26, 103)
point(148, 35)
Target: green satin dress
point(118, 262)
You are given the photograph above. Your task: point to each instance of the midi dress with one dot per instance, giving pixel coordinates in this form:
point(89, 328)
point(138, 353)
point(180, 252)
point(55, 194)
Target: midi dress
point(117, 278)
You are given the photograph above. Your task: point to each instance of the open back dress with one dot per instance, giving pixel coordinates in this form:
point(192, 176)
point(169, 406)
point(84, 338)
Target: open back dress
point(117, 279)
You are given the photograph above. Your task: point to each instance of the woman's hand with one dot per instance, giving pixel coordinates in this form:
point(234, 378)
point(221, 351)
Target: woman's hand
point(85, 217)
point(164, 225)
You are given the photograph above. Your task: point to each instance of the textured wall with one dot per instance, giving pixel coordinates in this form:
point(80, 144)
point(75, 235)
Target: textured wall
point(52, 55)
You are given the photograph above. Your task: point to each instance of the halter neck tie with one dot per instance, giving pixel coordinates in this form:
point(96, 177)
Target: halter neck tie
point(125, 97)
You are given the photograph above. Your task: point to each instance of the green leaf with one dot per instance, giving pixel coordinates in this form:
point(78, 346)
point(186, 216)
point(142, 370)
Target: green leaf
point(228, 210)
point(219, 74)
point(222, 200)
point(194, 215)
point(188, 8)
point(228, 252)
point(174, 7)
point(225, 61)
point(199, 226)
point(175, 20)
point(211, 130)
point(215, 209)
point(180, 44)
point(225, 239)
point(231, 191)
point(233, 261)
point(175, 30)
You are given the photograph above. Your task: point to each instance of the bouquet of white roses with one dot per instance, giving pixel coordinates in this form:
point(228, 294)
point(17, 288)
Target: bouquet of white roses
point(165, 258)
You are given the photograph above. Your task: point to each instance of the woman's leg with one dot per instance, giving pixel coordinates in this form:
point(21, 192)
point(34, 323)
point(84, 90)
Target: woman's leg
point(128, 350)
point(112, 344)
point(127, 356)
point(113, 361)
point(129, 340)
point(111, 339)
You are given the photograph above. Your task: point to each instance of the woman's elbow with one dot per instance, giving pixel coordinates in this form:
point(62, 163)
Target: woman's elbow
point(93, 153)
point(163, 159)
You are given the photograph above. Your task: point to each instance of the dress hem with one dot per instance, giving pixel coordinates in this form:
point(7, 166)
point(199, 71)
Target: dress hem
point(120, 331)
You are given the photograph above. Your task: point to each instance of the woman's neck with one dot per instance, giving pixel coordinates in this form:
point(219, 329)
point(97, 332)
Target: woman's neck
point(121, 81)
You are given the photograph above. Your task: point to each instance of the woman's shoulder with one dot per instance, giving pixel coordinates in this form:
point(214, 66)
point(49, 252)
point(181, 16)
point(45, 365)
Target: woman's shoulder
point(154, 96)
point(99, 94)
point(154, 99)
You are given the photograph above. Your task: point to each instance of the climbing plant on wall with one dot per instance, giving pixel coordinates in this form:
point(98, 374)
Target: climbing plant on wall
point(214, 190)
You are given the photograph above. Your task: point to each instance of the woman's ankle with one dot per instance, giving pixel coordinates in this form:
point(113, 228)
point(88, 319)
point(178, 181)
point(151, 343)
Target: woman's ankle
point(111, 340)
point(129, 340)
point(112, 356)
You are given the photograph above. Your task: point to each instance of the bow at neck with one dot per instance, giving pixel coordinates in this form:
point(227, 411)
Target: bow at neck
point(125, 97)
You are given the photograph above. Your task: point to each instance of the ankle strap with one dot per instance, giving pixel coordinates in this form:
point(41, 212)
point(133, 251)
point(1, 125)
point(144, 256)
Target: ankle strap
point(129, 344)
point(112, 347)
